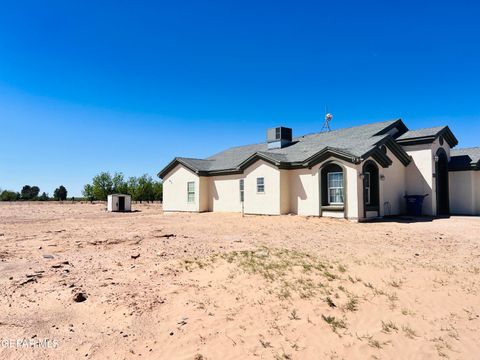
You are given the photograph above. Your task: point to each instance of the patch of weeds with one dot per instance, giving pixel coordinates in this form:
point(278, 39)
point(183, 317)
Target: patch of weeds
point(388, 326)
point(265, 344)
point(294, 315)
point(441, 345)
point(329, 275)
point(352, 304)
point(352, 280)
point(409, 332)
point(305, 288)
point(395, 283)
point(375, 343)
point(295, 346)
point(406, 312)
point(392, 298)
point(284, 293)
point(330, 302)
point(369, 285)
point(283, 356)
point(334, 322)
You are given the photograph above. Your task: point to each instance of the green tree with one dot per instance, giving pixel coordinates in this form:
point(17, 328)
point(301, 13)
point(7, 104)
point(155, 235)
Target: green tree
point(120, 186)
point(145, 188)
point(43, 197)
point(9, 196)
point(102, 186)
point(132, 188)
point(60, 193)
point(158, 191)
point(29, 192)
point(88, 192)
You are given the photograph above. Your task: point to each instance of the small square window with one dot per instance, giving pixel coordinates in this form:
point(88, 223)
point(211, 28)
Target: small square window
point(260, 185)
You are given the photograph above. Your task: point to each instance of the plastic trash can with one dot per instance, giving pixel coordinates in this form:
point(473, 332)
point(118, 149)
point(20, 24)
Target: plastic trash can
point(414, 204)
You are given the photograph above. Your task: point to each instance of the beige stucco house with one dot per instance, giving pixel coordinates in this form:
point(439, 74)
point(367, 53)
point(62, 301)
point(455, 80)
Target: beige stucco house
point(355, 173)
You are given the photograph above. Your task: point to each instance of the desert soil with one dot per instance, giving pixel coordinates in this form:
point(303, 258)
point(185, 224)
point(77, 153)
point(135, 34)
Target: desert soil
point(151, 285)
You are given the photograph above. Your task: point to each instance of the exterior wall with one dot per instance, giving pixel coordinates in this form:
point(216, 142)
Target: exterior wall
point(267, 203)
point(204, 194)
point(305, 192)
point(175, 190)
point(225, 193)
point(465, 192)
point(477, 191)
point(391, 190)
point(420, 173)
point(113, 205)
point(285, 192)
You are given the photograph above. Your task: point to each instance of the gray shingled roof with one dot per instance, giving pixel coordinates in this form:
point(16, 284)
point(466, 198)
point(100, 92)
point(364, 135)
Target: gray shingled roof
point(420, 133)
point(354, 142)
point(426, 135)
point(464, 159)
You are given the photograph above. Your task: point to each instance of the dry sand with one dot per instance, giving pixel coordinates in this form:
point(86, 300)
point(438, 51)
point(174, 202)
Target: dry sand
point(227, 287)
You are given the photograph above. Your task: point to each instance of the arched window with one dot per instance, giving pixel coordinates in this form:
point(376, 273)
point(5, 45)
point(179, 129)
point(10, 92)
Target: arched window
point(332, 185)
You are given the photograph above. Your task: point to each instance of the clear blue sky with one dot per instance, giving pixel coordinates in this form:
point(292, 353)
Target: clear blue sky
point(128, 85)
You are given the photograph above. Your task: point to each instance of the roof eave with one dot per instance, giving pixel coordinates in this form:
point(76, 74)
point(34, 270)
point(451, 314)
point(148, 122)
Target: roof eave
point(327, 152)
point(171, 165)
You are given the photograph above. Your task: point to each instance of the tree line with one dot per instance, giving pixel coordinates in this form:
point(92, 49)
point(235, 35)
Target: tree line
point(31, 193)
point(142, 188)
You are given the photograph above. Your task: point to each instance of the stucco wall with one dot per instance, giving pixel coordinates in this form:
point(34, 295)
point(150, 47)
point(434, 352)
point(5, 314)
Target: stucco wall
point(393, 188)
point(225, 193)
point(304, 191)
point(420, 178)
point(420, 174)
point(204, 194)
point(175, 190)
point(269, 201)
point(285, 191)
point(464, 192)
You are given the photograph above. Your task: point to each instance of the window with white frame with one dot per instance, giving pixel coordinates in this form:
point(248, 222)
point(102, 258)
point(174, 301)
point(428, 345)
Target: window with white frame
point(191, 191)
point(366, 180)
point(260, 185)
point(335, 188)
point(242, 190)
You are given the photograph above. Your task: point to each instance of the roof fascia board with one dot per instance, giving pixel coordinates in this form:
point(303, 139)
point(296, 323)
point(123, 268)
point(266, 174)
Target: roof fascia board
point(397, 124)
point(420, 140)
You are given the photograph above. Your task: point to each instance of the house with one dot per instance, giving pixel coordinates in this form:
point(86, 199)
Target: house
point(355, 173)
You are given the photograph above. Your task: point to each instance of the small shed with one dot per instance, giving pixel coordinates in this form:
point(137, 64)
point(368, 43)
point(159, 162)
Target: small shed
point(119, 202)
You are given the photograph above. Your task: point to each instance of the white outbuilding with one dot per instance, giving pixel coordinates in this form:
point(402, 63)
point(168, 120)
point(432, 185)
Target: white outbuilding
point(119, 202)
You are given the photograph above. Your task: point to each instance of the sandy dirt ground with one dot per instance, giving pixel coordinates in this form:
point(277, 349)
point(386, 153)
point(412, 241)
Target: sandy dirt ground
point(150, 285)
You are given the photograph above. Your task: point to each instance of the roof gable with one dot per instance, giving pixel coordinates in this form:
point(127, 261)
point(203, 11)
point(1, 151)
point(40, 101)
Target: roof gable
point(427, 136)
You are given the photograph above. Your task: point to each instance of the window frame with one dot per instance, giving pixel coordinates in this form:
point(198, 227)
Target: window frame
point(241, 186)
point(190, 192)
point(368, 197)
point(262, 185)
point(330, 202)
